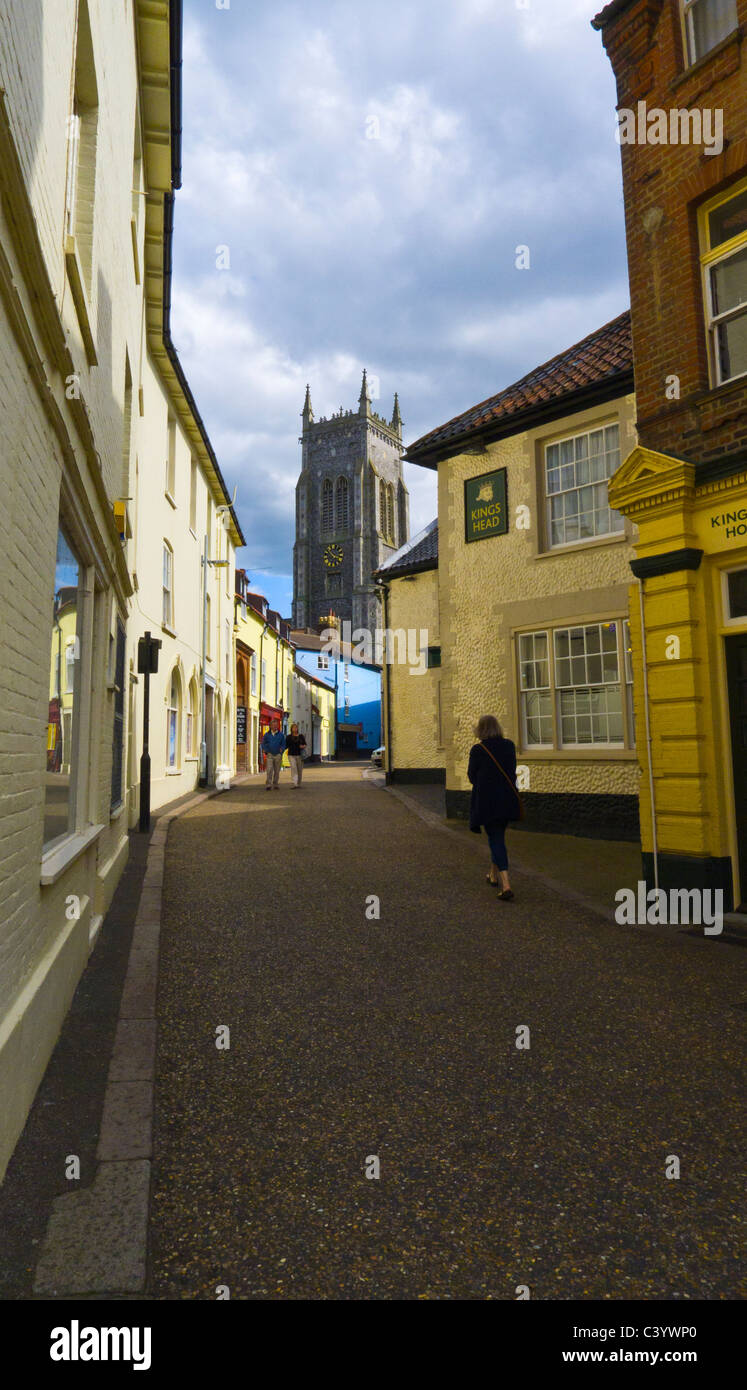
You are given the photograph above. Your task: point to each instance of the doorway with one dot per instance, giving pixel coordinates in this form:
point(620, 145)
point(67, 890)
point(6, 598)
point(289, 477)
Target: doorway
point(736, 673)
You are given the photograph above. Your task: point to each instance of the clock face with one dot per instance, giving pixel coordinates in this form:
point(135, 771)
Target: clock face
point(333, 555)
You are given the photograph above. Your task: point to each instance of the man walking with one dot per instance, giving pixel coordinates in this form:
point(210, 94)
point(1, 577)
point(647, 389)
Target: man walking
point(273, 747)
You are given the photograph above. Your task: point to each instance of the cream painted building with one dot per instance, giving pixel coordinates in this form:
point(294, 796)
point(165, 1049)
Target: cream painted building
point(412, 715)
point(533, 580)
point(89, 160)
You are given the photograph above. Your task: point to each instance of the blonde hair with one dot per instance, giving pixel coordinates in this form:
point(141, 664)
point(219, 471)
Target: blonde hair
point(488, 727)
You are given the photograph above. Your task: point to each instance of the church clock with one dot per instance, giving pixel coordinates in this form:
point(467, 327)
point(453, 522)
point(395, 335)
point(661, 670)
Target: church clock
point(333, 556)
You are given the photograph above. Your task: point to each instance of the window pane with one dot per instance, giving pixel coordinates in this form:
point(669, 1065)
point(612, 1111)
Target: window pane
point(63, 692)
point(731, 347)
point(728, 220)
point(711, 21)
point(737, 583)
point(729, 282)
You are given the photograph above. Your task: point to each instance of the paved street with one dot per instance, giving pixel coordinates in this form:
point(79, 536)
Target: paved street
point(395, 1037)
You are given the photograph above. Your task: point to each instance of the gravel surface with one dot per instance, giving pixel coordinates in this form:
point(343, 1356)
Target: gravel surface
point(396, 1038)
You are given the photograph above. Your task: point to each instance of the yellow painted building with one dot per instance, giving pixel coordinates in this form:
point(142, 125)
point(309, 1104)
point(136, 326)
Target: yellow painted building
point(270, 685)
point(533, 577)
point(691, 690)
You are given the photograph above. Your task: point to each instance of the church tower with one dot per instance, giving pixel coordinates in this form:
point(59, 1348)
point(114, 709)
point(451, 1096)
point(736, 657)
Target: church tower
point(352, 511)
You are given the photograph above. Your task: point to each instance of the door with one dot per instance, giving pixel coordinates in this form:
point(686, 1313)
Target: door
point(736, 671)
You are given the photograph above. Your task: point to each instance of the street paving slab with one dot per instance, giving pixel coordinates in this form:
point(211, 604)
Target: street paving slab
point(363, 1044)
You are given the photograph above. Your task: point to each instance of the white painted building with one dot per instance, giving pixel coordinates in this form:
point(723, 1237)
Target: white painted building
point(98, 426)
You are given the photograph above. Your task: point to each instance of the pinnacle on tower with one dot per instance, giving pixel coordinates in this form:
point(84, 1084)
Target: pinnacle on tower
point(364, 400)
point(396, 417)
point(307, 414)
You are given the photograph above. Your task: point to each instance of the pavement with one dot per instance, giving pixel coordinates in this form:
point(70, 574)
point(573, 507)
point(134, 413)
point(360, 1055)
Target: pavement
point(340, 1107)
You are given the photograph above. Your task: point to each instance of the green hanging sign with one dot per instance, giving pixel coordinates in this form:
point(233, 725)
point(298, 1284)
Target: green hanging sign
point(485, 506)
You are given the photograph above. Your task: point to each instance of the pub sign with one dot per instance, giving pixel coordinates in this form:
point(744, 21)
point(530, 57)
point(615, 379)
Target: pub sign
point(485, 506)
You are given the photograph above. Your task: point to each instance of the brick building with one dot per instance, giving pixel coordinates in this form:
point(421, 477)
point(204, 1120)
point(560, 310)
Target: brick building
point(682, 97)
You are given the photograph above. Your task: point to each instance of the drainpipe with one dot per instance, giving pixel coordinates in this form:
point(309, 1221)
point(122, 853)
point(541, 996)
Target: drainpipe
point(388, 756)
point(648, 737)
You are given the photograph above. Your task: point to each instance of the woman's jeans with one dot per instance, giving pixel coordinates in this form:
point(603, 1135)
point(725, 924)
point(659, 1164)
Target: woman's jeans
point(496, 839)
point(296, 767)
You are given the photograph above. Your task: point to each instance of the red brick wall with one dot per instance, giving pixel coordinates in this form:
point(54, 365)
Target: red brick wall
point(663, 186)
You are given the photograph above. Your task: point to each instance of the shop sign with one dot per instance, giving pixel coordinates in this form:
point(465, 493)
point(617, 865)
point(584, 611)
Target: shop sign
point(485, 506)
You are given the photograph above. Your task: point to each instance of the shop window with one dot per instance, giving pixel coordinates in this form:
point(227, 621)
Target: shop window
point(736, 595)
point(191, 725)
point(707, 22)
point(723, 229)
point(172, 724)
point(433, 657)
point(576, 474)
point(64, 693)
point(118, 729)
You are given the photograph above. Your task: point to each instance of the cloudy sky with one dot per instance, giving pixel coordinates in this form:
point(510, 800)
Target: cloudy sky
point(356, 180)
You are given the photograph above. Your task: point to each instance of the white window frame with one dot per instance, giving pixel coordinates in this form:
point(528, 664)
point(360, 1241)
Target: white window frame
point(323, 662)
point(168, 585)
point(710, 259)
point(70, 661)
point(689, 8)
point(263, 681)
point(173, 709)
point(253, 674)
point(624, 681)
point(589, 685)
point(729, 621)
point(557, 443)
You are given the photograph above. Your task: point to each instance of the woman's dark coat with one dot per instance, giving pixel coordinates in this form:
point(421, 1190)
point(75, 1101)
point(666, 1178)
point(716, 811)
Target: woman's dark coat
point(492, 797)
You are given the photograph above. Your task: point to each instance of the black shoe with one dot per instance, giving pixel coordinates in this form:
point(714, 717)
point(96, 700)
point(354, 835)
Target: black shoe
point(506, 896)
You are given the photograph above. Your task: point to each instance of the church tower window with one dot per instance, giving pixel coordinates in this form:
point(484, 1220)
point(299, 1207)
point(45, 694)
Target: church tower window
point(327, 505)
point(390, 512)
point(382, 507)
point(341, 500)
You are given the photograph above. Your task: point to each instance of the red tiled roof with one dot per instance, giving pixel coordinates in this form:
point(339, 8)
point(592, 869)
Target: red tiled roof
point(605, 357)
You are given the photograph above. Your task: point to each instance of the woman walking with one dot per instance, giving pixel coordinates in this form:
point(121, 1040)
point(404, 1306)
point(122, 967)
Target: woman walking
point(294, 743)
point(495, 800)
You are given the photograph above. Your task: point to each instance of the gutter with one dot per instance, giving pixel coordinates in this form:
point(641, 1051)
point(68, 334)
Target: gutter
point(608, 390)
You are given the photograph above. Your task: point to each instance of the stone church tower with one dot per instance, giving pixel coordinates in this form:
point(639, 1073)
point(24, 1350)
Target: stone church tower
point(352, 511)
